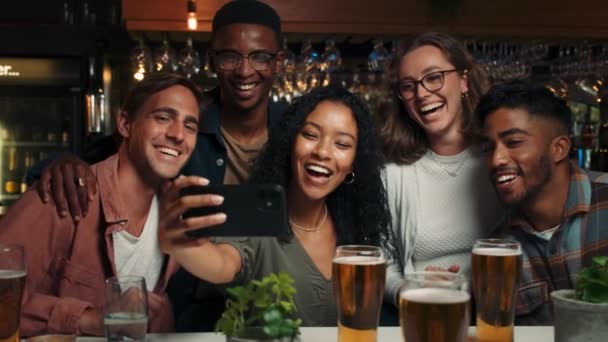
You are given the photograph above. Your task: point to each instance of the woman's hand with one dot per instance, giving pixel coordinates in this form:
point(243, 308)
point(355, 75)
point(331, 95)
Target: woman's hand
point(172, 227)
point(71, 184)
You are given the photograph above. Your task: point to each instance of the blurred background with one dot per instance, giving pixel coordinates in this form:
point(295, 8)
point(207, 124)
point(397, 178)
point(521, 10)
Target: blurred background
point(65, 65)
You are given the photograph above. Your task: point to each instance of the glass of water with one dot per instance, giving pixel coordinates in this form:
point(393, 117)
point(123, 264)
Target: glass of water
point(126, 308)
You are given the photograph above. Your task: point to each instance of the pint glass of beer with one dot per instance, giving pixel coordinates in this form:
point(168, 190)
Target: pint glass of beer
point(495, 267)
point(434, 307)
point(12, 282)
point(359, 273)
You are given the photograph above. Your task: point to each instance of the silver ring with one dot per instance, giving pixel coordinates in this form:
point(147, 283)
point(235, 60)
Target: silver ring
point(80, 181)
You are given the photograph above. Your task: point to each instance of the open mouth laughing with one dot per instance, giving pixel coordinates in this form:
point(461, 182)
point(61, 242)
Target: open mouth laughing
point(504, 181)
point(317, 171)
point(168, 151)
point(245, 88)
point(431, 108)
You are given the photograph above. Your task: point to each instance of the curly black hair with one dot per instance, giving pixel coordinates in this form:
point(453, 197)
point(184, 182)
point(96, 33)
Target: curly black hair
point(359, 210)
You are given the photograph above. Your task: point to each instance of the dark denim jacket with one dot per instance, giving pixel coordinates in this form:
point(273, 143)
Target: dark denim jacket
point(209, 161)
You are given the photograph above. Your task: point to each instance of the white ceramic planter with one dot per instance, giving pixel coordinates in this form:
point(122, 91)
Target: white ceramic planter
point(578, 321)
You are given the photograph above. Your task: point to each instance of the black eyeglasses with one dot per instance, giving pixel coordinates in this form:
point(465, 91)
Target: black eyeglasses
point(432, 82)
point(230, 60)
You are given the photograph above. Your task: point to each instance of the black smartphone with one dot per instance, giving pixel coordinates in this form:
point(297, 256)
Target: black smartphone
point(251, 210)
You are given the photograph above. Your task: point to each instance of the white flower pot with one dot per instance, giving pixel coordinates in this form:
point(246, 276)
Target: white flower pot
point(578, 321)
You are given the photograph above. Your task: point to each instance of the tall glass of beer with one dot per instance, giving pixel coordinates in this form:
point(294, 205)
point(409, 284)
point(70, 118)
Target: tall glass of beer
point(496, 267)
point(359, 274)
point(434, 306)
point(12, 282)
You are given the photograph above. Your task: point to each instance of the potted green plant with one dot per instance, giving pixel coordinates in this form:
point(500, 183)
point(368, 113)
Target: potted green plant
point(261, 310)
point(582, 314)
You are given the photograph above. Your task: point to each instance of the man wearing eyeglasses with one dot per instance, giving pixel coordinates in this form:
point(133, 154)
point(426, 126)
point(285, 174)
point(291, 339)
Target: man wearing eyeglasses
point(246, 56)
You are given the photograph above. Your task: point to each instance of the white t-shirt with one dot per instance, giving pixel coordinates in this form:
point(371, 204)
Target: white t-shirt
point(140, 256)
point(545, 235)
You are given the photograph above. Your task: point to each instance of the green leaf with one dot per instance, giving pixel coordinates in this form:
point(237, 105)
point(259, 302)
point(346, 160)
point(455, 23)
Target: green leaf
point(287, 306)
point(265, 302)
point(272, 330)
point(235, 291)
point(592, 283)
point(272, 315)
point(601, 261)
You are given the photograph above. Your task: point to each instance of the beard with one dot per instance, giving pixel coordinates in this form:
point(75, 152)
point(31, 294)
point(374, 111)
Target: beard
point(544, 172)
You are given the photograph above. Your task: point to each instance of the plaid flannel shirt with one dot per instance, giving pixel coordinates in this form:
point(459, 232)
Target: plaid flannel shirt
point(553, 265)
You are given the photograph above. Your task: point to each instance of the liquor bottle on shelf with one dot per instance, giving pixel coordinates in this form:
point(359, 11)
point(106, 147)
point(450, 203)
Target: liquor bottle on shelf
point(12, 180)
point(599, 160)
point(28, 163)
point(587, 142)
point(95, 98)
point(65, 133)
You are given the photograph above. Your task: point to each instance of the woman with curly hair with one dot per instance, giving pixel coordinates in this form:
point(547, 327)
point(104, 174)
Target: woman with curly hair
point(324, 154)
point(439, 193)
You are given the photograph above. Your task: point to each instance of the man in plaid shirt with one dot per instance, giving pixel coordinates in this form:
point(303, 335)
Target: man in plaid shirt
point(555, 211)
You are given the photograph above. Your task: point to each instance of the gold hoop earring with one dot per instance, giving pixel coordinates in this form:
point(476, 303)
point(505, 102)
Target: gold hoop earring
point(464, 95)
point(350, 180)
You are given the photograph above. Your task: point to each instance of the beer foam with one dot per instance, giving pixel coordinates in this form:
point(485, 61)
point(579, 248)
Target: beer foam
point(12, 274)
point(496, 251)
point(435, 296)
point(359, 260)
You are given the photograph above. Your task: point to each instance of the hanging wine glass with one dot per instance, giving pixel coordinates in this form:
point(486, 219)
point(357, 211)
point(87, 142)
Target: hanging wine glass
point(355, 84)
point(379, 58)
point(306, 67)
point(331, 59)
point(189, 60)
point(206, 79)
point(164, 56)
point(289, 61)
point(286, 77)
point(309, 58)
point(141, 60)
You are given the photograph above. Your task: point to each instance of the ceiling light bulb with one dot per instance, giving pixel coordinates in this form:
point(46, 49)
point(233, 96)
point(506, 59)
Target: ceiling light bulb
point(192, 19)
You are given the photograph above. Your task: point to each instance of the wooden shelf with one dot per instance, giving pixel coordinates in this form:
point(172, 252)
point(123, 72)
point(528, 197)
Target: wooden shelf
point(514, 18)
point(12, 143)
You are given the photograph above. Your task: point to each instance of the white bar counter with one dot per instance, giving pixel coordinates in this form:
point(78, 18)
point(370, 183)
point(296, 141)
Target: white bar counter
point(386, 334)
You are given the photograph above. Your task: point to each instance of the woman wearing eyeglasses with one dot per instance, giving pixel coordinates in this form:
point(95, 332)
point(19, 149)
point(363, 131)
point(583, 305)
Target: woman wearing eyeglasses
point(439, 194)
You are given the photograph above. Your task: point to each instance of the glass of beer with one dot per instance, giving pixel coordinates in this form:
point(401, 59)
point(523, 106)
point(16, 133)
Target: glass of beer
point(126, 309)
point(495, 267)
point(434, 306)
point(359, 274)
point(12, 282)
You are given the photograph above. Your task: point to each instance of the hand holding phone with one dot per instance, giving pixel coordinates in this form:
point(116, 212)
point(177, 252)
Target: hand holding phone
point(251, 210)
point(172, 205)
